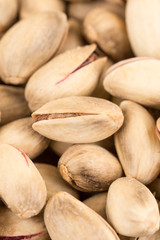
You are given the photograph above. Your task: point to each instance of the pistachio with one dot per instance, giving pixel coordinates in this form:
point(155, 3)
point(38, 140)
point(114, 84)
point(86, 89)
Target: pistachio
point(131, 208)
point(20, 134)
point(155, 236)
point(78, 119)
point(21, 186)
point(108, 31)
point(155, 187)
point(63, 209)
point(53, 180)
point(34, 48)
point(145, 41)
point(28, 8)
point(98, 203)
point(13, 104)
point(14, 228)
point(128, 79)
point(137, 144)
point(65, 75)
point(89, 168)
point(158, 128)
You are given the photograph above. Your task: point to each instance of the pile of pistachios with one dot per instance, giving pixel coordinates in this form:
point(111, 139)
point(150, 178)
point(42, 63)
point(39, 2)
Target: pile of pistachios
point(79, 119)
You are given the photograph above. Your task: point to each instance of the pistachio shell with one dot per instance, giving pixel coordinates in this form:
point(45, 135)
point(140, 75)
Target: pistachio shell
point(78, 119)
point(89, 168)
point(64, 210)
point(154, 187)
point(34, 48)
point(21, 186)
point(131, 208)
point(158, 128)
point(137, 144)
point(136, 79)
point(53, 180)
point(155, 236)
point(20, 134)
point(65, 75)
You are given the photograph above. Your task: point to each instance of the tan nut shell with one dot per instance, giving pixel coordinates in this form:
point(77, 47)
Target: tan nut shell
point(137, 144)
point(136, 79)
point(100, 119)
point(144, 40)
point(28, 7)
point(64, 210)
point(59, 77)
point(21, 186)
point(131, 208)
point(29, 44)
point(154, 187)
point(89, 168)
point(20, 134)
point(54, 182)
point(155, 236)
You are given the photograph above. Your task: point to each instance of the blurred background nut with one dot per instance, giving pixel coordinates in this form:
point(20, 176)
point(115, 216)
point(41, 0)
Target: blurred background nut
point(108, 31)
point(12, 104)
point(20, 134)
point(22, 54)
point(29, 8)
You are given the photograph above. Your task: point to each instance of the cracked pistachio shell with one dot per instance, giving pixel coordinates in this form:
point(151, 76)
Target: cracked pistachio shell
point(136, 79)
point(89, 168)
point(21, 134)
point(108, 32)
point(28, 7)
point(8, 13)
point(54, 182)
point(12, 104)
point(145, 41)
point(98, 203)
point(78, 119)
point(21, 185)
point(34, 48)
point(137, 144)
point(64, 210)
point(13, 228)
point(131, 208)
point(64, 76)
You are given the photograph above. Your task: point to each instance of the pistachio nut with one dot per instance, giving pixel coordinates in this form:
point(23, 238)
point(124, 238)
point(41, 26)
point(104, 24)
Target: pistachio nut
point(14, 228)
point(28, 7)
point(8, 14)
point(20, 134)
point(54, 182)
point(65, 75)
point(21, 186)
point(89, 168)
point(155, 236)
point(137, 144)
point(97, 203)
point(154, 187)
point(131, 208)
point(13, 104)
point(34, 48)
point(64, 210)
point(128, 79)
point(109, 32)
point(145, 41)
point(78, 119)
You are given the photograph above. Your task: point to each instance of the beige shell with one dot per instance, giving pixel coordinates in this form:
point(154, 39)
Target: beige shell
point(144, 40)
point(20, 134)
point(136, 79)
point(8, 13)
point(54, 182)
point(89, 168)
point(12, 104)
point(108, 31)
point(131, 208)
point(137, 144)
point(155, 236)
point(29, 8)
point(62, 210)
point(12, 227)
point(154, 187)
point(64, 76)
point(158, 128)
point(21, 185)
point(78, 119)
point(22, 54)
